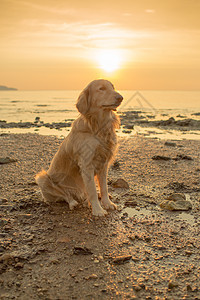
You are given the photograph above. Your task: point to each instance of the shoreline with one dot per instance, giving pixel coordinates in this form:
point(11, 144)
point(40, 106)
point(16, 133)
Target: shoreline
point(132, 122)
point(128, 120)
point(140, 251)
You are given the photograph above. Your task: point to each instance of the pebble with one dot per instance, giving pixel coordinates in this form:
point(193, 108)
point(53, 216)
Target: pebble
point(96, 284)
point(18, 284)
point(189, 288)
point(130, 203)
point(160, 157)
point(116, 165)
point(176, 197)
point(19, 265)
point(176, 205)
point(172, 284)
point(137, 288)
point(176, 201)
point(92, 276)
point(120, 183)
point(188, 252)
point(182, 156)
point(121, 259)
point(82, 250)
point(171, 144)
point(6, 160)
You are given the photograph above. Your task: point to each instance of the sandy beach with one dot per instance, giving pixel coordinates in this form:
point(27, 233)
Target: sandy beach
point(142, 251)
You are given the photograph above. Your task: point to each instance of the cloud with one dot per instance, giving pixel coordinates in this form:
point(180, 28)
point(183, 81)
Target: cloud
point(79, 35)
point(49, 8)
point(150, 11)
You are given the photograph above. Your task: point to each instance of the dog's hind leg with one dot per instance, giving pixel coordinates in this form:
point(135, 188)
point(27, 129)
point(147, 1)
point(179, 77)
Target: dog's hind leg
point(54, 192)
point(71, 202)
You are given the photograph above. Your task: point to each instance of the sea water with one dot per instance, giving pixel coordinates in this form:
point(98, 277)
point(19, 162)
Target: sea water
point(60, 105)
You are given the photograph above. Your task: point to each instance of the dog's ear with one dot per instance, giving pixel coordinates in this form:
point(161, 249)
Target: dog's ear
point(82, 104)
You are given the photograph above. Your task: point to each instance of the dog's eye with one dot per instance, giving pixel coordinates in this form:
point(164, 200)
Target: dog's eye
point(102, 88)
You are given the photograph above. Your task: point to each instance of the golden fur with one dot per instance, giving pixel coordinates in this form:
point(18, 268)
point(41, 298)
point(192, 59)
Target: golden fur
point(86, 152)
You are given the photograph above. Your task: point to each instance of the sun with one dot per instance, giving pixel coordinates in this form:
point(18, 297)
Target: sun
point(109, 59)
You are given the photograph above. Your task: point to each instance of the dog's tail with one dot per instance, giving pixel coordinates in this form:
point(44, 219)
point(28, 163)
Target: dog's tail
point(41, 178)
point(50, 191)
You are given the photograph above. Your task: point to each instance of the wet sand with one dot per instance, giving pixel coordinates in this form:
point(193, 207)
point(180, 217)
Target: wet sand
point(138, 252)
point(148, 124)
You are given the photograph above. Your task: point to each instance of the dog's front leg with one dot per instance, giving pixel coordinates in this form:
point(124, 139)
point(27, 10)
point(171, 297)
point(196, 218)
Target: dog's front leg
point(102, 178)
point(90, 187)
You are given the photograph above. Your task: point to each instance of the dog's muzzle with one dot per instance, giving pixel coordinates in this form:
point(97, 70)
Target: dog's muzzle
point(118, 98)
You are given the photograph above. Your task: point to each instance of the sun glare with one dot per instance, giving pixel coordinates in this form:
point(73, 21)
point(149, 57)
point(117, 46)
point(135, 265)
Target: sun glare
point(109, 60)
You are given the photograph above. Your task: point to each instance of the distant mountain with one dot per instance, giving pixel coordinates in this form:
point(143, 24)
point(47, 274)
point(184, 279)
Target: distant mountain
point(5, 88)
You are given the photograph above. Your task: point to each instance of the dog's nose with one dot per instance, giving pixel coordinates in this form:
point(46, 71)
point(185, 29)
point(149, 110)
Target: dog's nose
point(118, 97)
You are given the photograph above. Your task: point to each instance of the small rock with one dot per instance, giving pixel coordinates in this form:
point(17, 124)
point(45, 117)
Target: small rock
point(147, 239)
point(188, 252)
point(170, 144)
point(189, 288)
point(37, 119)
point(176, 197)
point(130, 203)
point(135, 259)
point(172, 284)
point(176, 205)
point(168, 122)
point(196, 114)
point(6, 160)
point(176, 201)
point(96, 284)
point(54, 261)
point(2, 249)
point(116, 165)
point(120, 183)
point(6, 257)
point(160, 157)
point(180, 116)
point(121, 259)
point(92, 276)
point(129, 126)
point(19, 265)
point(137, 288)
point(183, 157)
point(4, 200)
point(126, 131)
point(18, 284)
point(82, 250)
point(177, 186)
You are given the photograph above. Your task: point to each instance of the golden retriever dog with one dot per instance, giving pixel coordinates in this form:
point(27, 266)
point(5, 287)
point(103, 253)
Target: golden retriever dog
point(86, 152)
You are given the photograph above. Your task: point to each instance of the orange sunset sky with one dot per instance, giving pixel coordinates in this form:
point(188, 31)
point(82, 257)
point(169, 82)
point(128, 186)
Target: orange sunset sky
point(137, 44)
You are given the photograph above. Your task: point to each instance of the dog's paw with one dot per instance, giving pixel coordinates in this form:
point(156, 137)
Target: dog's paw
point(110, 206)
point(99, 212)
point(86, 203)
point(72, 204)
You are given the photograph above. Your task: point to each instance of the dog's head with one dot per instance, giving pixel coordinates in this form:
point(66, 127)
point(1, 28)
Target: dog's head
point(99, 94)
